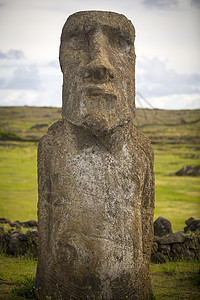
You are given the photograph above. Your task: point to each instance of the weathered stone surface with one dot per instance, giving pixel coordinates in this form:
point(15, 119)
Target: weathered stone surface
point(17, 244)
point(28, 244)
point(177, 237)
point(188, 222)
point(14, 242)
point(5, 221)
point(164, 249)
point(192, 241)
point(188, 254)
point(162, 227)
point(95, 171)
point(17, 224)
point(192, 225)
point(176, 248)
point(31, 223)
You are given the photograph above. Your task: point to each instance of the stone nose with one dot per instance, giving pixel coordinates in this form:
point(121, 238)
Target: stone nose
point(97, 72)
point(99, 67)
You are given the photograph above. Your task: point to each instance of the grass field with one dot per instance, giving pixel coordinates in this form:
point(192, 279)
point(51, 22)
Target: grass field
point(177, 197)
point(171, 280)
point(13, 272)
point(174, 136)
point(176, 142)
point(18, 181)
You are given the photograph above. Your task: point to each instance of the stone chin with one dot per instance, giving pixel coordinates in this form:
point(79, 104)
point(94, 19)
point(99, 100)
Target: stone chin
point(98, 124)
point(100, 113)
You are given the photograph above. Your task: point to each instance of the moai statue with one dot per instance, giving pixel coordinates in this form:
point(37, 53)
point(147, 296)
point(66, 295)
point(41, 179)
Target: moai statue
point(95, 171)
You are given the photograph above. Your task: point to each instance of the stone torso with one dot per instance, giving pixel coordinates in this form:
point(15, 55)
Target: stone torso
point(93, 203)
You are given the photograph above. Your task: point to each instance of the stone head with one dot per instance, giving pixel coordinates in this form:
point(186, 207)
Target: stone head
point(97, 59)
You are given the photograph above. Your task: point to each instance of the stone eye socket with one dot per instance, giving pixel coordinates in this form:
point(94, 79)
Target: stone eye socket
point(120, 40)
point(77, 41)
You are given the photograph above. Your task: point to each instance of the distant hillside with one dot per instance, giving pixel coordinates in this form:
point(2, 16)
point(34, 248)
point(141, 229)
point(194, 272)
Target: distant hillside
point(162, 126)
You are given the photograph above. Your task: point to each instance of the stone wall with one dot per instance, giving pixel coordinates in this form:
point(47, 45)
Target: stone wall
point(166, 245)
point(19, 238)
point(179, 245)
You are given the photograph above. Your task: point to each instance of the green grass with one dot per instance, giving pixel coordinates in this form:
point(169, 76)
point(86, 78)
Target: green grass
point(27, 289)
point(20, 120)
point(18, 181)
point(175, 139)
point(174, 194)
point(177, 197)
point(13, 272)
point(176, 280)
point(170, 280)
point(6, 135)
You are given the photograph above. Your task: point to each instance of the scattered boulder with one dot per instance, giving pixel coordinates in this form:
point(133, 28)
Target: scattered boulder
point(192, 241)
point(15, 242)
point(188, 170)
point(31, 223)
point(189, 221)
point(177, 245)
point(188, 254)
point(162, 227)
point(177, 237)
point(17, 224)
point(192, 225)
point(15, 245)
point(176, 248)
point(18, 243)
point(5, 221)
point(165, 249)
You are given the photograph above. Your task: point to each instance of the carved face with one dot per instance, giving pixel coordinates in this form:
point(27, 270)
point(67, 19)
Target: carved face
point(97, 59)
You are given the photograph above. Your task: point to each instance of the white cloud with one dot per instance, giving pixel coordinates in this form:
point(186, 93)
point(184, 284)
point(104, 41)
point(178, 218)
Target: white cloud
point(181, 101)
point(195, 3)
point(31, 98)
point(166, 33)
point(25, 77)
point(154, 79)
point(24, 82)
point(12, 54)
point(161, 4)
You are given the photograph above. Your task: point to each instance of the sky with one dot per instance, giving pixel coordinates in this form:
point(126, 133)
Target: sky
point(167, 47)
